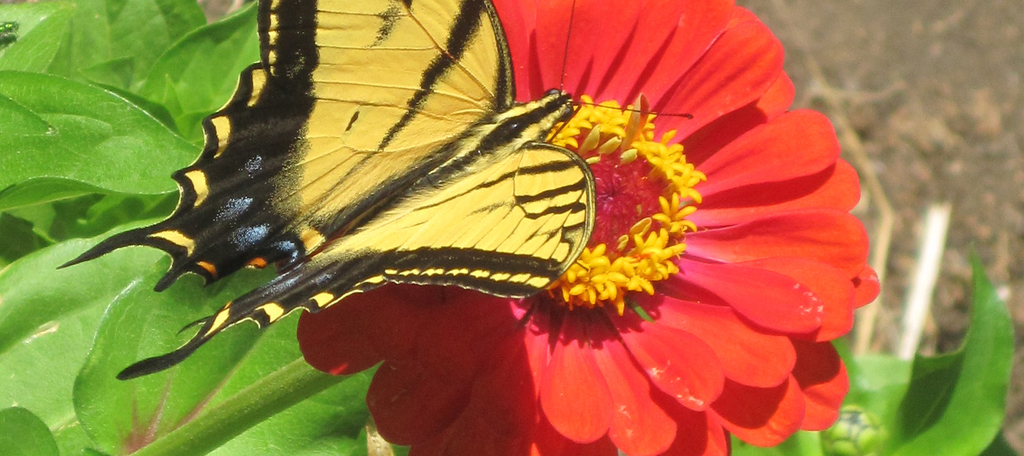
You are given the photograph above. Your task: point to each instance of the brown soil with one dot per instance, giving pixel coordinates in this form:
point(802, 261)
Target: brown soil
point(931, 91)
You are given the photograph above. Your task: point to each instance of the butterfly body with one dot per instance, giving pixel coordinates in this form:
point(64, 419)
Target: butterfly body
point(377, 141)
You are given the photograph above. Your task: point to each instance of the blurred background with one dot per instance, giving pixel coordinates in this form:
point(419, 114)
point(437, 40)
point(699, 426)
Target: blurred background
point(926, 96)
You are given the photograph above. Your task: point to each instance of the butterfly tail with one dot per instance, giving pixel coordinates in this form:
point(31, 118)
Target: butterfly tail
point(293, 290)
point(166, 361)
point(125, 239)
point(159, 236)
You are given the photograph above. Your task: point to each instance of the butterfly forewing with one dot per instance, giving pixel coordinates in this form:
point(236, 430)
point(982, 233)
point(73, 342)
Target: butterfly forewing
point(442, 76)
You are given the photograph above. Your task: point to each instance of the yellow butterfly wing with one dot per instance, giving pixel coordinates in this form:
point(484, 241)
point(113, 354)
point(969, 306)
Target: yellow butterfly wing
point(353, 101)
point(531, 220)
point(376, 142)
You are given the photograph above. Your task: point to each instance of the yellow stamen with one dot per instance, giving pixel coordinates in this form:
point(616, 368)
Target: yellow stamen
point(646, 254)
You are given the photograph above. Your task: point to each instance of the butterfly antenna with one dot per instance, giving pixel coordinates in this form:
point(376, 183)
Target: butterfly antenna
point(565, 53)
point(628, 109)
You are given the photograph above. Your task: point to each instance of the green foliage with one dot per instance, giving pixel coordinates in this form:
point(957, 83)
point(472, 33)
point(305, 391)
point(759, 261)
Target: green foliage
point(24, 434)
point(33, 34)
point(180, 79)
point(955, 402)
point(73, 138)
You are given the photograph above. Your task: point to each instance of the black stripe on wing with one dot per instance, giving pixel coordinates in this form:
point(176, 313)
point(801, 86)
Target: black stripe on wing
point(290, 53)
point(462, 32)
point(302, 288)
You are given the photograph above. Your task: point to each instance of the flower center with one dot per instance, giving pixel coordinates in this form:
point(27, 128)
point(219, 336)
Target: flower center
point(644, 194)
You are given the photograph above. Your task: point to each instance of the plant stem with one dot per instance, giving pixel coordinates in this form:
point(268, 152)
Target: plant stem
point(254, 404)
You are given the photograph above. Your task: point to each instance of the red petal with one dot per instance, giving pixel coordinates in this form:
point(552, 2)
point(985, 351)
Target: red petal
point(548, 441)
point(573, 393)
point(708, 140)
point(778, 98)
point(603, 447)
point(767, 298)
point(359, 331)
point(833, 188)
point(699, 434)
point(673, 35)
point(830, 236)
point(796, 144)
point(718, 440)
point(740, 67)
point(416, 397)
point(591, 61)
point(867, 286)
point(412, 402)
point(822, 377)
point(639, 426)
point(713, 137)
point(677, 362)
point(554, 444)
point(538, 347)
point(761, 416)
point(568, 63)
point(748, 356)
point(502, 413)
point(832, 287)
point(519, 21)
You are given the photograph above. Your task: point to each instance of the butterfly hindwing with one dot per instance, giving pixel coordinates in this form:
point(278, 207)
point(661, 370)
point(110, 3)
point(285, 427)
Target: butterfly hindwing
point(522, 221)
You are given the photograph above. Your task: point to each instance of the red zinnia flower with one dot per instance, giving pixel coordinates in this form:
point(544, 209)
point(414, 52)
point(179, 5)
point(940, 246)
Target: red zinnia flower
point(723, 261)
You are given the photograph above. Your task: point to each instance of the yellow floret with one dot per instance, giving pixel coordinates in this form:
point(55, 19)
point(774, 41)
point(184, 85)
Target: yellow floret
point(644, 255)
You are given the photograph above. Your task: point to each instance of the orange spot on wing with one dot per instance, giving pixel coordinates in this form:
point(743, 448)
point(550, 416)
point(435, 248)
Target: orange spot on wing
point(258, 263)
point(209, 267)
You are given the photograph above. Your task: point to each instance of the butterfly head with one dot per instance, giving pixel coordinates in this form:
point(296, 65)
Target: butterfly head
point(531, 121)
point(561, 102)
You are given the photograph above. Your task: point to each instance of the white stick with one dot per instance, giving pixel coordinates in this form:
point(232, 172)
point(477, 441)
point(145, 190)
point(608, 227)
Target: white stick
point(919, 298)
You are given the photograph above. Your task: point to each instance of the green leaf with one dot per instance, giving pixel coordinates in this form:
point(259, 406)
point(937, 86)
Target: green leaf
point(48, 318)
point(878, 384)
point(91, 138)
point(24, 434)
point(141, 323)
point(156, 110)
point(29, 228)
point(19, 120)
point(43, 190)
point(199, 72)
point(956, 402)
point(72, 440)
point(40, 33)
point(326, 424)
point(19, 239)
point(118, 72)
point(802, 443)
point(239, 379)
point(118, 40)
point(92, 214)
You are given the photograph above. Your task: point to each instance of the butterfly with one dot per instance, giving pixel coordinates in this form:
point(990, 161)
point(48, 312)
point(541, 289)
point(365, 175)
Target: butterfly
point(376, 141)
